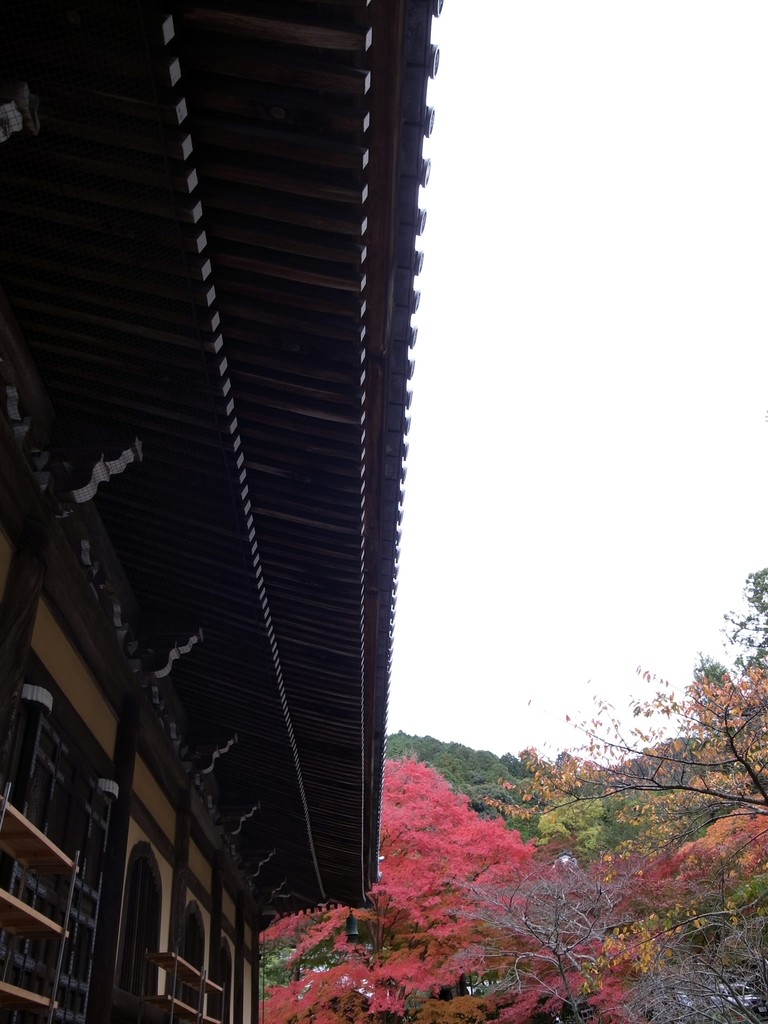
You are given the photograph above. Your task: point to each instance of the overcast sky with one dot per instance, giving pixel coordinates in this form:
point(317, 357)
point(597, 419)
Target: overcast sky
point(587, 485)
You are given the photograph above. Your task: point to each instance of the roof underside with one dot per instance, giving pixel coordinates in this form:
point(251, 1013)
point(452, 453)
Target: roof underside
point(209, 246)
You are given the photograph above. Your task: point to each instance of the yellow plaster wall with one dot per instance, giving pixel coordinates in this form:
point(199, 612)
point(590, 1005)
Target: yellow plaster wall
point(6, 552)
point(199, 866)
point(77, 684)
point(153, 798)
point(201, 869)
point(228, 908)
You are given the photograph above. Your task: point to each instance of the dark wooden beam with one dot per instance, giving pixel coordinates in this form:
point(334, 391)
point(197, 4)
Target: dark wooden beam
point(17, 361)
point(245, 137)
point(311, 182)
point(214, 939)
point(316, 273)
point(275, 67)
point(271, 30)
point(388, 66)
point(110, 902)
point(180, 872)
point(18, 609)
point(238, 993)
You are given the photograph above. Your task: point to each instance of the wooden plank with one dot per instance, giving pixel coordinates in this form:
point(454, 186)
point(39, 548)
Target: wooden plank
point(181, 1011)
point(303, 214)
point(184, 179)
point(162, 411)
point(100, 196)
point(193, 239)
point(202, 296)
point(271, 30)
point(282, 106)
point(185, 972)
point(308, 244)
point(308, 183)
point(176, 144)
point(340, 304)
point(318, 275)
point(167, 260)
point(11, 996)
point(245, 137)
point(276, 68)
point(21, 919)
point(170, 109)
point(23, 841)
point(72, 298)
point(124, 326)
point(324, 327)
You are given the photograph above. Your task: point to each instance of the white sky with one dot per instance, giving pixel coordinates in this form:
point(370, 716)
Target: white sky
point(587, 485)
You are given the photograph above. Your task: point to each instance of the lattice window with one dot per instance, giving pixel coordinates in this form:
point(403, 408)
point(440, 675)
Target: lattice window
point(225, 980)
point(141, 923)
point(58, 791)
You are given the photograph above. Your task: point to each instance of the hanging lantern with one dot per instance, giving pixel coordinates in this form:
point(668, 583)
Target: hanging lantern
point(351, 929)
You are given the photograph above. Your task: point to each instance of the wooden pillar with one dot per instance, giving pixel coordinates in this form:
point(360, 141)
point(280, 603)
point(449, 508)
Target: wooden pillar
point(255, 972)
point(17, 619)
point(237, 994)
point(214, 943)
point(180, 873)
point(108, 926)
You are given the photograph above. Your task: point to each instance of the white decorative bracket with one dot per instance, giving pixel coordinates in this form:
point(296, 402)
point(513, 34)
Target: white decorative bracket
point(176, 652)
point(278, 893)
point(104, 469)
point(245, 817)
point(218, 753)
point(265, 860)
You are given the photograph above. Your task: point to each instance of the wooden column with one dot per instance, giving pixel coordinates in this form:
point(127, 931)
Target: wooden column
point(214, 943)
point(17, 619)
point(255, 971)
point(237, 994)
point(108, 926)
point(180, 873)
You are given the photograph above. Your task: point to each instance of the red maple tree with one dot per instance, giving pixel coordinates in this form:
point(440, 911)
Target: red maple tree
point(420, 935)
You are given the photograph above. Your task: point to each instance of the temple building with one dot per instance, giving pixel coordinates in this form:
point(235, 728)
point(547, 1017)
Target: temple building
point(208, 244)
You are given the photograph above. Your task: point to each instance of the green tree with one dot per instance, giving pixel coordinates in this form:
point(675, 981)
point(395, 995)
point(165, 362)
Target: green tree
point(578, 825)
point(479, 774)
point(747, 629)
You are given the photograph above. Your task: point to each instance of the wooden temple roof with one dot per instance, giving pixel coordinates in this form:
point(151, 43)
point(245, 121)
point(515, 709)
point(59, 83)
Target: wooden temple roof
point(210, 246)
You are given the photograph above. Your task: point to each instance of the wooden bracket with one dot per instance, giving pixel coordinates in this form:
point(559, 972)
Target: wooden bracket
point(262, 862)
point(245, 817)
point(175, 653)
point(217, 753)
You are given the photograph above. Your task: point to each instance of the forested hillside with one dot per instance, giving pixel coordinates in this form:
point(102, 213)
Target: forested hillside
point(504, 787)
point(642, 899)
point(473, 772)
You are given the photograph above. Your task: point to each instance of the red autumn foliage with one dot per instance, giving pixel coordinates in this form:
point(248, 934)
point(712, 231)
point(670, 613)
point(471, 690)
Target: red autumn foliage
point(420, 933)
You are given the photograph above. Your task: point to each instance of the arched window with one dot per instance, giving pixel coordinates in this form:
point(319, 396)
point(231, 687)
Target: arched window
point(225, 980)
point(194, 947)
point(194, 936)
point(141, 922)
